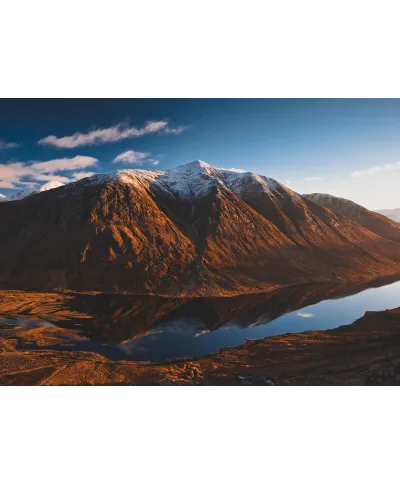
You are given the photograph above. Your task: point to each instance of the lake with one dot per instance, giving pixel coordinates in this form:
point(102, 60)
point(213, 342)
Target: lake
point(159, 329)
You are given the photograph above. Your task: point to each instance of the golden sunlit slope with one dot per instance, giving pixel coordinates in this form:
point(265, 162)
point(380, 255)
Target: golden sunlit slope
point(193, 230)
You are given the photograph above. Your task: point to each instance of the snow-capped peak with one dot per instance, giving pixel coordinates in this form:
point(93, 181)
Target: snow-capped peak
point(196, 179)
point(196, 164)
point(53, 184)
point(191, 180)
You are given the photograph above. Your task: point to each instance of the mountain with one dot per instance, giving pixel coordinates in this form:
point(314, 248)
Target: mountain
point(192, 230)
point(393, 214)
point(52, 184)
point(376, 223)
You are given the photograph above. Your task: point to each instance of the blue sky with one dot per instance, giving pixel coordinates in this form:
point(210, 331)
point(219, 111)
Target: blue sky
point(348, 148)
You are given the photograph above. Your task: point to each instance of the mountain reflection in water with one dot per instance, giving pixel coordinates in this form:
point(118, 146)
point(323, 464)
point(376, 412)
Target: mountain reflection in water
point(156, 329)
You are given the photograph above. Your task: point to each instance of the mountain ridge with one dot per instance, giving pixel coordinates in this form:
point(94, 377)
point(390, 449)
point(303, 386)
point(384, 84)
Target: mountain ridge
point(374, 221)
point(192, 230)
point(393, 214)
point(50, 185)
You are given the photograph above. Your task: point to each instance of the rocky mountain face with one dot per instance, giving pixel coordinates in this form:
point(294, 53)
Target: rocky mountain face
point(377, 223)
point(192, 230)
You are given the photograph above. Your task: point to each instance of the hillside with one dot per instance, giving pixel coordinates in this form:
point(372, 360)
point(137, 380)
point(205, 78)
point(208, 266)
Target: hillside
point(192, 230)
point(393, 214)
point(376, 223)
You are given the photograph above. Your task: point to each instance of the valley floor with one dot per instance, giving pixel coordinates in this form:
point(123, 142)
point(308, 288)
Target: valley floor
point(364, 353)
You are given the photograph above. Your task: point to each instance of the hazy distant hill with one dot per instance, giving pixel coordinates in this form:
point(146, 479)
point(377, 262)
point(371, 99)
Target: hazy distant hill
point(392, 213)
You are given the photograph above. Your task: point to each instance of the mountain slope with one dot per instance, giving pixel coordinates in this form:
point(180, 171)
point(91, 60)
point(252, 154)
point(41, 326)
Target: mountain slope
point(377, 223)
point(393, 214)
point(192, 230)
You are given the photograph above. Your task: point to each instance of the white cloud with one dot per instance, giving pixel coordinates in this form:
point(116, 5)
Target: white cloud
point(111, 134)
point(314, 178)
point(305, 315)
point(376, 191)
point(62, 164)
point(8, 144)
point(11, 174)
point(30, 185)
point(53, 178)
point(82, 175)
point(131, 157)
point(387, 167)
point(176, 131)
point(237, 170)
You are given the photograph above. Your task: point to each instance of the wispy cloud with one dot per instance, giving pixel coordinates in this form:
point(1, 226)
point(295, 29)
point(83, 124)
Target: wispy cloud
point(12, 174)
point(4, 145)
point(62, 164)
point(237, 170)
point(131, 157)
point(28, 184)
point(387, 167)
point(111, 135)
point(176, 131)
point(313, 178)
point(305, 315)
point(53, 177)
point(82, 175)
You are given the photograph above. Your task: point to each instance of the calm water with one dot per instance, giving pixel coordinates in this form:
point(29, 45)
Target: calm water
point(157, 329)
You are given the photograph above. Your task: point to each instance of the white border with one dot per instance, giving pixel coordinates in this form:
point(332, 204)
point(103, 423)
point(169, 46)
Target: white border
point(199, 435)
point(83, 48)
point(198, 49)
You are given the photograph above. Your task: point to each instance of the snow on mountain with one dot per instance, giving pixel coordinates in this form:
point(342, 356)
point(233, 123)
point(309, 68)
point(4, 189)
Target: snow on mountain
point(53, 184)
point(189, 181)
point(152, 232)
point(19, 195)
point(198, 178)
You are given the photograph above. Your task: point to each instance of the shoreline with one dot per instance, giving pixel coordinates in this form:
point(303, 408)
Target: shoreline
point(366, 352)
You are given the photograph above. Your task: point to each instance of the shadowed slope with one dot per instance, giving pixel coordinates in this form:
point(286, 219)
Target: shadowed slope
point(193, 230)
